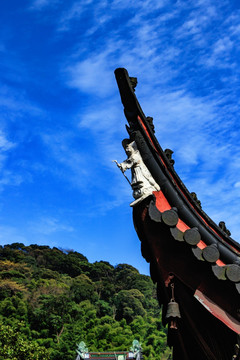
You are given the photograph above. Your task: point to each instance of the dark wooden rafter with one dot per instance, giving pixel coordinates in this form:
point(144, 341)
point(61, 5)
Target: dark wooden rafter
point(179, 238)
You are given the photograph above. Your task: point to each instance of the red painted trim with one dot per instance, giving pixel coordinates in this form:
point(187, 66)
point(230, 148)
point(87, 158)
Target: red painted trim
point(182, 226)
point(220, 263)
point(161, 202)
point(146, 131)
point(201, 245)
point(218, 312)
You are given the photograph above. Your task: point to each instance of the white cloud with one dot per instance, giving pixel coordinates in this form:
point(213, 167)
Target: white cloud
point(73, 164)
point(48, 226)
point(7, 177)
point(10, 178)
point(75, 12)
point(91, 75)
point(5, 144)
point(38, 231)
point(15, 106)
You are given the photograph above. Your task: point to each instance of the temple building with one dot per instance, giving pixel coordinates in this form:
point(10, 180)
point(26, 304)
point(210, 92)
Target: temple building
point(135, 352)
point(195, 262)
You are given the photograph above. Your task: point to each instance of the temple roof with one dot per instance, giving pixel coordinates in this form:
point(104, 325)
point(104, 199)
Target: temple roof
point(179, 239)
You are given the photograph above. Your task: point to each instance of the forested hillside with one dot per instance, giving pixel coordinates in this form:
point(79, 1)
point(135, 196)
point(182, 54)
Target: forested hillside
point(51, 299)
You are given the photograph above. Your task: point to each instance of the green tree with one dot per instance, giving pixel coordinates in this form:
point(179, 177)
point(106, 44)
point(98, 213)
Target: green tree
point(128, 305)
point(83, 288)
point(15, 346)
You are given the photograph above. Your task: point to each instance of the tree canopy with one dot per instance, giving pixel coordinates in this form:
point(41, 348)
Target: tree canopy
point(51, 299)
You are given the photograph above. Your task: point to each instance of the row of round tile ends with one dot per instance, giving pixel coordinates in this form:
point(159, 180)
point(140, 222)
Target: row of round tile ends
point(192, 237)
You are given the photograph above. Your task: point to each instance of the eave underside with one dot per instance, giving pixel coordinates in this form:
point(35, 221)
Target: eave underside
point(200, 335)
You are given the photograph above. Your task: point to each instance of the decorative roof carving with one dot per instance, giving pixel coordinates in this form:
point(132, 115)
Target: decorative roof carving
point(224, 228)
point(168, 153)
point(142, 182)
point(195, 198)
point(133, 81)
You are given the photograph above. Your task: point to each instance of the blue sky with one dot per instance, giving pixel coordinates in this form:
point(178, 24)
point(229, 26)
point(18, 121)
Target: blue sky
point(61, 118)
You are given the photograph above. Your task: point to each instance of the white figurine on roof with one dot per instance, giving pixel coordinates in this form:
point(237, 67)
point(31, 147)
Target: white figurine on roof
point(142, 182)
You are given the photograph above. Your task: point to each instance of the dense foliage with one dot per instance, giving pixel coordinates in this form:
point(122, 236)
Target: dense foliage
point(50, 300)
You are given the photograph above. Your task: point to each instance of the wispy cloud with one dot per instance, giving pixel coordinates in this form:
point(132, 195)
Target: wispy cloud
point(87, 75)
point(15, 134)
point(44, 230)
point(10, 178)
point(48, 226)
point(163, 46)
point(75, 11)
point(16, 103)
point(7, 177)
point(71, 160)
point(5, 144)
